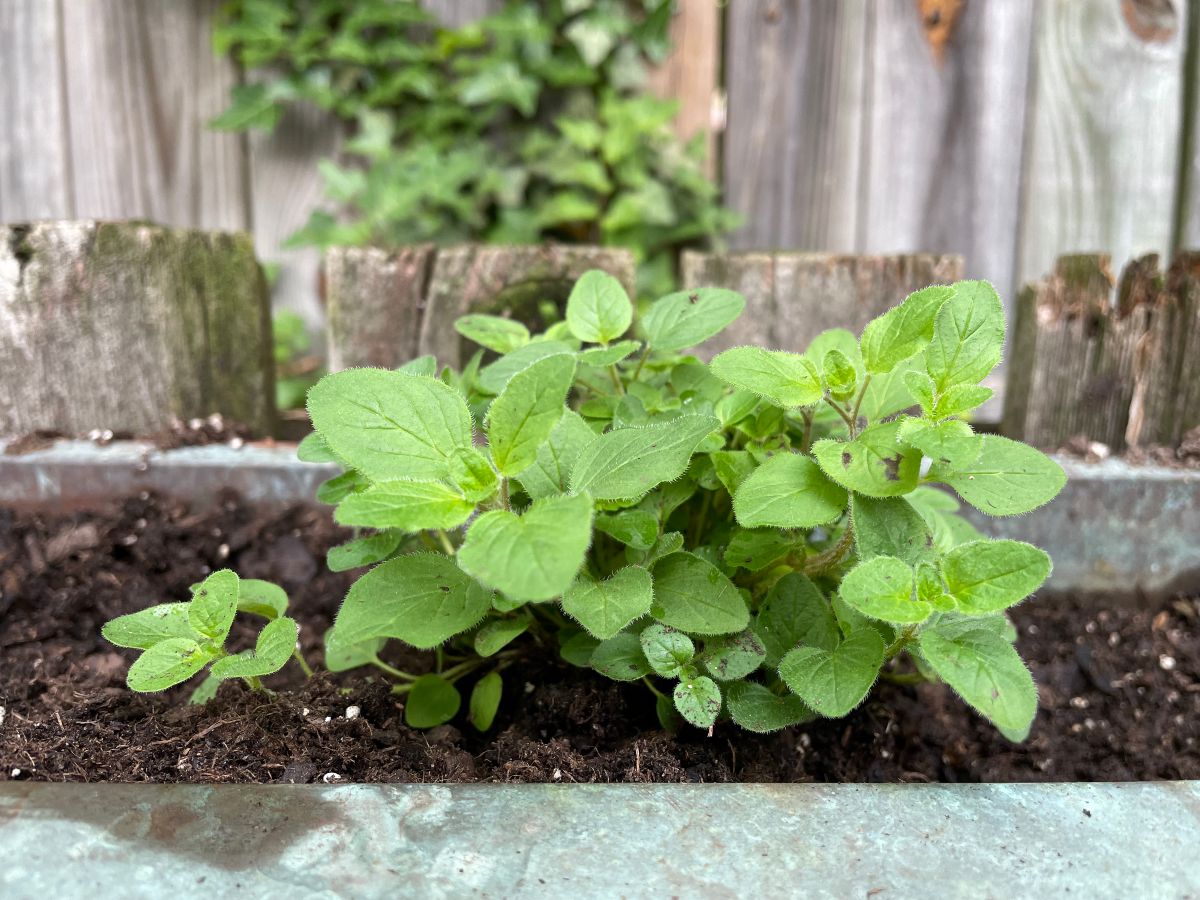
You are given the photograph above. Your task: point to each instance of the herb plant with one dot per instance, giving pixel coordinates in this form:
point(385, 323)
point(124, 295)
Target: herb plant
point(178, 640)
point(525, 126)
point(759, 538)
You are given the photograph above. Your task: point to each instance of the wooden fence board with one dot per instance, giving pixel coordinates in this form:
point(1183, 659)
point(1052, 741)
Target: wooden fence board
point(690, 73)
point(1187, 213)
point(34, 167)
point(945, 117)
point(1101, 172)
point(142, 83)
point(795, 83)
point(122, 326)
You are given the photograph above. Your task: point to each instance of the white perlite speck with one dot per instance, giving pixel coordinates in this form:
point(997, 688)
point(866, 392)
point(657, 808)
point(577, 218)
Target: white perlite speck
point(331, 778)
point(353, 712)
point(1166, 663)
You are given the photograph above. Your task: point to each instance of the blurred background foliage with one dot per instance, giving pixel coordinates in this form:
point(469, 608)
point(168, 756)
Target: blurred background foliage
point(526, 126)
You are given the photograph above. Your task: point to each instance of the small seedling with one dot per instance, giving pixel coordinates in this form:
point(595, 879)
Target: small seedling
point(178, 640)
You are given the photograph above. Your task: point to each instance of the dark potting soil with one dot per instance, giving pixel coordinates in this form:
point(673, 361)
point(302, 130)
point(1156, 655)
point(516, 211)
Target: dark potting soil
point(1120, 688)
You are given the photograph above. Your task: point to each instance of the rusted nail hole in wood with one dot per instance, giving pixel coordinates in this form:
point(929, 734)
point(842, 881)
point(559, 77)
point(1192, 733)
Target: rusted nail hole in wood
point(1153, 21)
point(938, 18)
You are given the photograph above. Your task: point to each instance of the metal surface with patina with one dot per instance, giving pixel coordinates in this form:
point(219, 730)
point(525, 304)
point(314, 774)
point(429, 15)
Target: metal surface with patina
point(710, 841)
point(1116, 529)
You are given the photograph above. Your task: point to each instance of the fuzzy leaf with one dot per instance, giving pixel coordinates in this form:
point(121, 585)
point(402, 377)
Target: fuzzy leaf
point(607, 356)
point(694, 596)
point(598, 309)
point(495, 333)
point(274, 647)
point(432, 701)
point(498, 634)
point(668, 651)
point(960, 399)
point(520, 420)
point(785, 379)
point(340, 656)
point(795, 613)
point(990, 576)
point(1007, 479)
point(493, 378)
point(755, 549)
point(882, 588)
point(534, 556)
point(732, 467)
point(902, 331)
point(473, 474)
point(261, 598)
point(889, 526)
point(757, 709)
point(166, 664)
point(734, 656)
point(985, 670)
point(146, 627)
point(313, 449)
point(788, 491)
point(950, 443)
point(605, 607)
point(698, 701)
point(630, 462)
point(485, 701)
point(550, 473)
point(875, 463)
point(833, 682)
point(620, 658)
point(687, 318)
point(968, 336)
point(405, 505)
point(422, 599)
point(390, 425)
point(635, 528)
point(364, 551)
point(214, 604)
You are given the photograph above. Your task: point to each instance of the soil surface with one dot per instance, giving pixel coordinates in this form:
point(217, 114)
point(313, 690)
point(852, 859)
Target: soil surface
point(1120, 688)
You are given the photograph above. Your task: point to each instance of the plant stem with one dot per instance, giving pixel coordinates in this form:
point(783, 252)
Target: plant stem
point(827, 559)
point(900, 642)
point(655, 691)
point(903, 677)
point(255, 683)
point(304, 666)
point(641, 362)
point(504, 494)
point(806, 441)
point(391, 670)
point(616, 379)
point(862, 392)
point(445, 539)
point(841, 412)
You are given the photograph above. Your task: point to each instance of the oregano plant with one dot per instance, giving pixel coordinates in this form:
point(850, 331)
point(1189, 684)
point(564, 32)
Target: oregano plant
point(178, 640)
point(758, 539)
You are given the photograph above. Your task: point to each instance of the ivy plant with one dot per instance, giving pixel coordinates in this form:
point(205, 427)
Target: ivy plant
point(525, 126)
point(759, 538)
point(178, 640)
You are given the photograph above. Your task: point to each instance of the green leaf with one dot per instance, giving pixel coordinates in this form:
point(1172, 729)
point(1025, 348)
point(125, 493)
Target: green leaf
point(989, 576)
point(313, 449)
point(694, 596)
point(882, 588)
point(735, 656)
point(578, 648)
point(687, 318)
point(960, 399)
point(494, 377)
point(607, 356)
point(432, 701)
point(422, 365)
point(668, 651)
point(261, 598)
point(274, 647)
point(698, 701)
point(902, 331)
point(520, 420)
point(889, 393)
point(338, 488)
point(630, 462)
point(214, 604)
point(146, 627)
point(1007, 479)
point(498, 634)
point(795, 613)
point(550, 473)
point(921, 386)
point(340, 656)
point(495, 333)
point(474, 475)
point(485, 701)
point(389, 425)
point(503, 82)
point(732, 467)
point(757, 709)
point(785, 379)
point(635, 528)
point(755, 549)
point(938, 509)
point(951, 443)
point(534, 556)
point(889, 526)
point(833, 682)
point(605, 607)
point(598, 309)
point(788, 491)
point(875, 463)
point(422, 599)
point(968, 336)
point(620, 658)
point(364, 551)
point(405, 505)
point(985, 670)
point(205, 691)
point(166, 664)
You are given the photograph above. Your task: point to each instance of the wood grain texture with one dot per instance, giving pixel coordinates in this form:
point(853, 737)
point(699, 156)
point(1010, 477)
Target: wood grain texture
point(123, 326)
point(795, 79)
point(1187, 213)
point(793, 297)
point(1101, 171)
point(375, 302)
point(945, 117)
point(142, 83)
point(690, 73)
point(34, 165)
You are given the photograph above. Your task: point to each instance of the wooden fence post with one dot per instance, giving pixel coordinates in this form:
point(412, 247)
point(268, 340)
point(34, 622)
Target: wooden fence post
point(1117, 373)
point(387, 307)
point(793, 297)
point(125, 325)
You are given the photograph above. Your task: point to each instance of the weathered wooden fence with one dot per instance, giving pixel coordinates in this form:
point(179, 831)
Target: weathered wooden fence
point(1006, 132)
